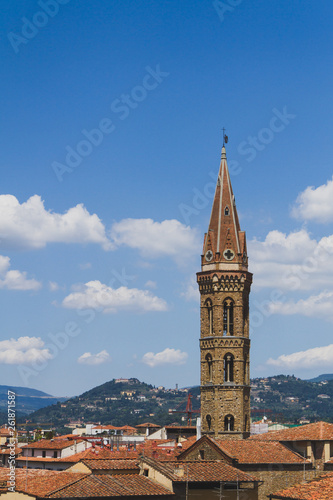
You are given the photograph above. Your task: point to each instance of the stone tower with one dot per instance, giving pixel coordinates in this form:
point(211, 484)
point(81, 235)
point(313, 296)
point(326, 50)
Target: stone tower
point(224, 284)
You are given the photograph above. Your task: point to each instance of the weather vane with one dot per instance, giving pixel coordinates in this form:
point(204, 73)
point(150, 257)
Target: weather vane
point(225, 137)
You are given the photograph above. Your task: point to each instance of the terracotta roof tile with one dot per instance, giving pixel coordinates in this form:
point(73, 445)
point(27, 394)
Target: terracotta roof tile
point(200, 471)
point(317, 489)
point(148, 424)
point(255, 452)
point(7, 451)
point(40, 482)
point(5, 432)
point(319, 431)
point(52, 444)
point(113, 464)
point(159, 448)
point(106, 486)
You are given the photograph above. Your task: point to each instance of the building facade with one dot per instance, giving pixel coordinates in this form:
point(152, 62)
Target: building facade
point(224, 285)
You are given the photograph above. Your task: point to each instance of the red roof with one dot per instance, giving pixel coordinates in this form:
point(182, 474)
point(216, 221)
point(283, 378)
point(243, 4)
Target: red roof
point(38, 482)
point(200, 471)
point(111, 486)
point(53, 444)
point(247, 452)
point(52, 484)
point(319, 431)
point(112, 464)
point(317, 489)
point(148, 424)
point(255, 452)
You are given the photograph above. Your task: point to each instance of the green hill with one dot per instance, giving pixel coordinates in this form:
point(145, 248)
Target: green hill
point(287, 398)
point(27, 400)
point(118, 403)
point(321, 378)
point(281, 398)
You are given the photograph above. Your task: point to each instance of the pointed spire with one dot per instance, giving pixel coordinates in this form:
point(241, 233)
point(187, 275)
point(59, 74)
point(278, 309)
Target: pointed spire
point(225, 243)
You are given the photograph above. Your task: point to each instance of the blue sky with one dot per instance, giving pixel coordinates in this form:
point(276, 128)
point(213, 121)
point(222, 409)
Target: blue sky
point(111, 137)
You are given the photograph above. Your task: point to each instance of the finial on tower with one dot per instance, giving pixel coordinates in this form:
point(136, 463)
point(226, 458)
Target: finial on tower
point(225, 137)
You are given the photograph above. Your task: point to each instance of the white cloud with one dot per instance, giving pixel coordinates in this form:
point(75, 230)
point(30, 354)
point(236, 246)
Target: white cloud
point(53, 286)
point(316, 357)
point(96, 295)
point(94, 359)
point(157, 239)
point(29, 225)
point(168, 356)
point(191, 292)
point(12, 279)
point(315, 203)
point(313, 306)
point(150, 284)
point(24, 350)
point(292, 262)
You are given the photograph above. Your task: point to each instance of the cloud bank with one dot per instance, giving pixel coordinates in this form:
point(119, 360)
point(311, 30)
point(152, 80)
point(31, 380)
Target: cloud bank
point(311, 358)
point(97, 295)
point(315, 204)
point(30, 225)
point(12, 279)
point(94, 359)
point(24, 350)
point(168, 356)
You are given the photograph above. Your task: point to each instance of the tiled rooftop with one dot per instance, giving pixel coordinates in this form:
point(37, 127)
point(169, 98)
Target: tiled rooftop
point(113, 464)
point(111, 486)
point(255, 452)
point(247, 451)
point(52, 444)
point(149, 448)
point(317, 489)
point(40, 482)
point(51, 484)
point(319, 431)
point(148, 424)
point(200, 471)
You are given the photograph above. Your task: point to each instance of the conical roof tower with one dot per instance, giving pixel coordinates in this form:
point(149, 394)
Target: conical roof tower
point(224, 285)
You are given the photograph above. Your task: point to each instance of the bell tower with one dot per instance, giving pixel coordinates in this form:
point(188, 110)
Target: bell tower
point(224, 285)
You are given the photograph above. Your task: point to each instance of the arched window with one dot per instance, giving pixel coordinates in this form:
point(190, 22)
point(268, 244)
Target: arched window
point(229, 423)
point(226, 211)
point(228, 317)
point(210, 367)
point(209, 421)
point(228, 368)
point(209, 306)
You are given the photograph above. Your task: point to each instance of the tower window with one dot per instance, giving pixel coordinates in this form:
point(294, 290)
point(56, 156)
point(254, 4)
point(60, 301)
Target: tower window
point(226, 211)
point(209, 421)
point(209, 306)
point(229, 423)
point(228, 368)
point(210, 367)
point(228, 317)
